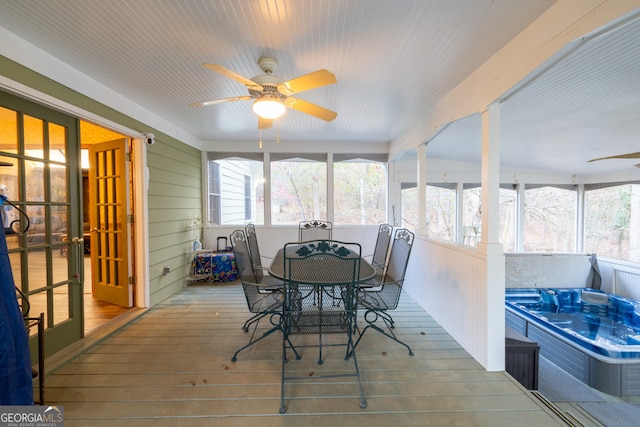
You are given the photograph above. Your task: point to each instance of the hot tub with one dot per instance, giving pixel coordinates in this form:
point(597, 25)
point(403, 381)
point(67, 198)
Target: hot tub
point(593, 335)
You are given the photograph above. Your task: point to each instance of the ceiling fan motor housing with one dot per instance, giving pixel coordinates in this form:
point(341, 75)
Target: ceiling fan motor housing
point(270, 84)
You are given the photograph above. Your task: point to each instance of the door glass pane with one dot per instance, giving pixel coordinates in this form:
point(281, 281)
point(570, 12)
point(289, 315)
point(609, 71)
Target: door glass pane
point(38, 302)
point(8, 130)
point(59, 265)
point(9, 188)
point(60, 304)
point(33, 137)
point(59, 186)
point(16, 266)
point(37, 262)
point(34, 181)
point(57, 143)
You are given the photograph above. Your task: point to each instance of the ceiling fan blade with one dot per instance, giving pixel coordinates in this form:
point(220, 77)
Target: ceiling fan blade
point(311, 109)
point(621, 156)
point(235, 76)
point(264, 123)
point(307, 82)
point(221, 100)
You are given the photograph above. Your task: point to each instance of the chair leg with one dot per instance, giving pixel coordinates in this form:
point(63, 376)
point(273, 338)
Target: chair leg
point(285, 340)
point(371, 324)
point(276, 327)
point(252, 320)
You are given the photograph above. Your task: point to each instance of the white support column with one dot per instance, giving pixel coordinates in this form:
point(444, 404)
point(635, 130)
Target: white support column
point(422, 190)
point(490, 194)
point(489, 241)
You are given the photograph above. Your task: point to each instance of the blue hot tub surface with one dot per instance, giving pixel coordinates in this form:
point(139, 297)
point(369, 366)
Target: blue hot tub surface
point(602, 323)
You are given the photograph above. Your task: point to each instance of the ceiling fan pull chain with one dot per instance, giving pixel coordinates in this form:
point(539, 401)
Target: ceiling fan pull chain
point(278, 134)
point(260, 130)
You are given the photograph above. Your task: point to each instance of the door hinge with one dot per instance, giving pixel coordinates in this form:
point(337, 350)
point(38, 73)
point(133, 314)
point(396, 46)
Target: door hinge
point(130, 219)
point(132, 280)
point(127, 157)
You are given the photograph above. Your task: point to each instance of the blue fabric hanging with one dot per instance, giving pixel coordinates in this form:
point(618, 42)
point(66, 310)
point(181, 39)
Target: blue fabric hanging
point(16, 386)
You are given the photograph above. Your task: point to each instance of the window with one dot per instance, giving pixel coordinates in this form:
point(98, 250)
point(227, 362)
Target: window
point(471, 214)
point(247, 198)
point(441, 211)
point(298, 188)
point(214, 193)
point(240, 194)
point(409, 199)
point(507, 209)
point(550, 218)
point(612, 221)
point(359, 190)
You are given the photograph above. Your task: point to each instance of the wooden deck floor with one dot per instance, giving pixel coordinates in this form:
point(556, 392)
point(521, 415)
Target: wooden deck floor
point(172, 366)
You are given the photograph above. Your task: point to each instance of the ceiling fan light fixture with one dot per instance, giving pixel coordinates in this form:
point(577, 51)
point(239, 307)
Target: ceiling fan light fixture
point(268, 107)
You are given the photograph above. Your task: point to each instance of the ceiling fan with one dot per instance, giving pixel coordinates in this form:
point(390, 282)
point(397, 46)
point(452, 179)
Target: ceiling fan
point(620, 156)
point(271, 94)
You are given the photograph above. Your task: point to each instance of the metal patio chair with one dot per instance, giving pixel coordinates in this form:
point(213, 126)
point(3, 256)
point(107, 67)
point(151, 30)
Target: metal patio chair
point(254, 251)
point(381, 295)
point(381, 250)
point(314, 230)
point(264, 297)
point(320, 287)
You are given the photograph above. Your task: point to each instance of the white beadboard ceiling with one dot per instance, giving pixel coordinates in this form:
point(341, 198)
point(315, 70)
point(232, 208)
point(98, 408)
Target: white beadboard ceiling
point(394, 60)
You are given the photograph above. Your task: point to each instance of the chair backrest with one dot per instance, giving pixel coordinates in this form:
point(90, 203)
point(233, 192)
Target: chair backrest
point(314, 230)
point(254, 251)
point(242, 255)
point(399, 256)
point(322, 262)
point(381, 250)
point(320, 285)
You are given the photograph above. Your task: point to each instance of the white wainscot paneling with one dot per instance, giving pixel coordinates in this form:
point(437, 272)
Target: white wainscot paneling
point(620, 278)
point(450, 282)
